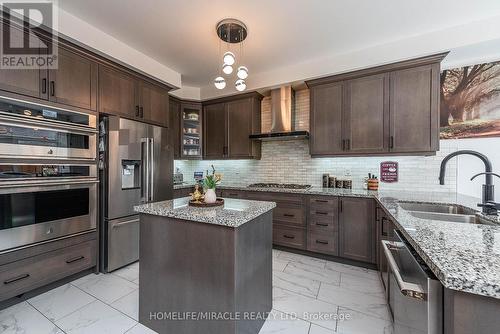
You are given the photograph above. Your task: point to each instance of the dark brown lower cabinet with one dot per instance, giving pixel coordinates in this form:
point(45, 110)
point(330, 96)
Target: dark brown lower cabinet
point(322, 226)
point(45, 264)
point(289, 236)
point(357, 229)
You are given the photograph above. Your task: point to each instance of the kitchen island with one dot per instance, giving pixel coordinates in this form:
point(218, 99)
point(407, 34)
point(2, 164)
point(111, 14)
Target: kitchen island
point(205, 270)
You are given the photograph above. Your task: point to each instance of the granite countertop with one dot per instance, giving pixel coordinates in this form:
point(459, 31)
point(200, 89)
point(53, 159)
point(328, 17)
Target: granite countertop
point(464, 257)
point(233, 213)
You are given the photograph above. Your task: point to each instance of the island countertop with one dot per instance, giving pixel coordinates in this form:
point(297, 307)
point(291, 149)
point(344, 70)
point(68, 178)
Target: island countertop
point(234, 212)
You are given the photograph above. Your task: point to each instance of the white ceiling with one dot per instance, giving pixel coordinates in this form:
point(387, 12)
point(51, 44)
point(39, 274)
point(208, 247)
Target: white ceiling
point(181, 34)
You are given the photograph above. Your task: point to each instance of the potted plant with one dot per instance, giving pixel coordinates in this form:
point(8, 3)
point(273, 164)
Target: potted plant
point(209, 183)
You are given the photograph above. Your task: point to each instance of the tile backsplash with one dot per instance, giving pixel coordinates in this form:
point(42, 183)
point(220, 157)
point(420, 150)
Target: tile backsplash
point(290, 162)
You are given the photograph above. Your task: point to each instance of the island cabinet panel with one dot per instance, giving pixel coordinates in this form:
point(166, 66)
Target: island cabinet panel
point(390, 109)
point(366, 116)
point(74, 82)
point(228, 123)
point(214, 137)
point(322, 225)
point(33, 83)
point(357, 228)
point(414, 109)
point(201, 267)
point(117, 93)
point(175, 126)
point(327, 104)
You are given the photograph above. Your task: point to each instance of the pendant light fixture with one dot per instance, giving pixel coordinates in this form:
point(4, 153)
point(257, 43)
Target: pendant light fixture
point(231, 31)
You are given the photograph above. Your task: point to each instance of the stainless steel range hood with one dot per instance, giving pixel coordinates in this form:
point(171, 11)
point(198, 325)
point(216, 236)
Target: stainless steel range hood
point(283, 117)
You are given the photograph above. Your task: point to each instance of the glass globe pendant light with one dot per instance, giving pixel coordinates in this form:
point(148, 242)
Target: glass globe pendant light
point(240, 85)
point(226, 68)
point(229, 58)
point(242, 72)
point(220, 83)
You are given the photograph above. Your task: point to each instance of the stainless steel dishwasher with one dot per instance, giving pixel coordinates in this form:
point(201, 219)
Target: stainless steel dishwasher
point(415, 294)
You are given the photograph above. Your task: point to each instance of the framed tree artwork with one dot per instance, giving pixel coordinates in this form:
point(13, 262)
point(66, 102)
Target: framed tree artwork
point(470, 101)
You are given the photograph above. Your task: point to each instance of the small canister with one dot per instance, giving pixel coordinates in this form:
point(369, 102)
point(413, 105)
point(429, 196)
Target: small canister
point(326, 180)
point(347, 184)
point(339, 184)
point(331, 181)
point(373, 184)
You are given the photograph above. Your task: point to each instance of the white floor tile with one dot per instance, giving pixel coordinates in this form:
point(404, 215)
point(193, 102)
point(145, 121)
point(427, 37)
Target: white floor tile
point(296, 284)
point(281, 323)
point(105, 287)
point(359, 301)
point(302, 259)
point(130, 272)
point(362, 284)
point(315, 329)
point(279, 264)
point(61, 301)
point(305, 308)
point(352, 322)
point(23, 318)
point(325, 275)
point(353, 270)
point(129, 305)
point(96, 317)
point(140, 329)
point(276, 253)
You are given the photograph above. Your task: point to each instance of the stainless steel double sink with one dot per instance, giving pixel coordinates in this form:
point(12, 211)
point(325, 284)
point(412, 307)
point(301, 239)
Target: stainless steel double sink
point(444, 212)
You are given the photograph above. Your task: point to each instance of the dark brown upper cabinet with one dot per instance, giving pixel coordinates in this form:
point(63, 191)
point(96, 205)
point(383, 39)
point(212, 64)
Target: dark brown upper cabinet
point(117, 93)
point(26, 82)
point(175, 126)
point(357, 229)
point(327, 104)
point(74, 82)
point(390, 109)
point(124, 94)
point(414, 109)
point(154, 103)
point(366, 115)
point(191, 130)
point(227, 125)
point(214, 125)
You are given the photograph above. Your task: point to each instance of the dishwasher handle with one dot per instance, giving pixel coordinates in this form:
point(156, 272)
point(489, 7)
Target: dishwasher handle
point(408, 289)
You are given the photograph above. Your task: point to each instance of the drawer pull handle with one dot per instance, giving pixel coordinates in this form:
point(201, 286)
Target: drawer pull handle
point(78, 258)
point(321, 201)
point(288, 215)
point(321, 224)
point(233, 194)
point(289, 236)
point(322, 242)
point(321, 213)
point(15, 279)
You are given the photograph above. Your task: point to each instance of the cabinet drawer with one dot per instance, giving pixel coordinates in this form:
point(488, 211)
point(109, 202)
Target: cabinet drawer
point(233, 193)
point(30, 273)
point(291, 215)
point(323, 243)
point(323, 224)
point(324, 203)
point(276, 197)
point(290, 237)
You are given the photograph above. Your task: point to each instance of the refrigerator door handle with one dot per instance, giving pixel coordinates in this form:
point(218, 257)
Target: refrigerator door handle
point(151, 169)
point(144, 170)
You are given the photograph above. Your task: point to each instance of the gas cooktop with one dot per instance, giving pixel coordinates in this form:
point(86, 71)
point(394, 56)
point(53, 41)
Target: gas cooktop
point(280, 185)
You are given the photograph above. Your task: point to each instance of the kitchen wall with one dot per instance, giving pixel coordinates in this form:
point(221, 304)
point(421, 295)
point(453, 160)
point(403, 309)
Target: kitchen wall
point(289, 161)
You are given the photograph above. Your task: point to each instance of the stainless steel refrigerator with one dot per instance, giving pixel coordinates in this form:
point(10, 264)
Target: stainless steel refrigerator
point(136, 166)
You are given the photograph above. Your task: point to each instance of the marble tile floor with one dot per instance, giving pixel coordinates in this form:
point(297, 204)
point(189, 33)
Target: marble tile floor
point(310, 296)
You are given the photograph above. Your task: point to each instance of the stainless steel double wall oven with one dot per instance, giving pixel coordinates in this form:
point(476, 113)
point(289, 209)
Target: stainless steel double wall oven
point(48, 173)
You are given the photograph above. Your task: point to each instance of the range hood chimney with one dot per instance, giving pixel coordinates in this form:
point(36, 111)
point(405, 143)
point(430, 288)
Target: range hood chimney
point(282, 116)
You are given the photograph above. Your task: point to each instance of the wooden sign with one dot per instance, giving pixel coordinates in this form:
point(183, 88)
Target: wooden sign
point(389, 171)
